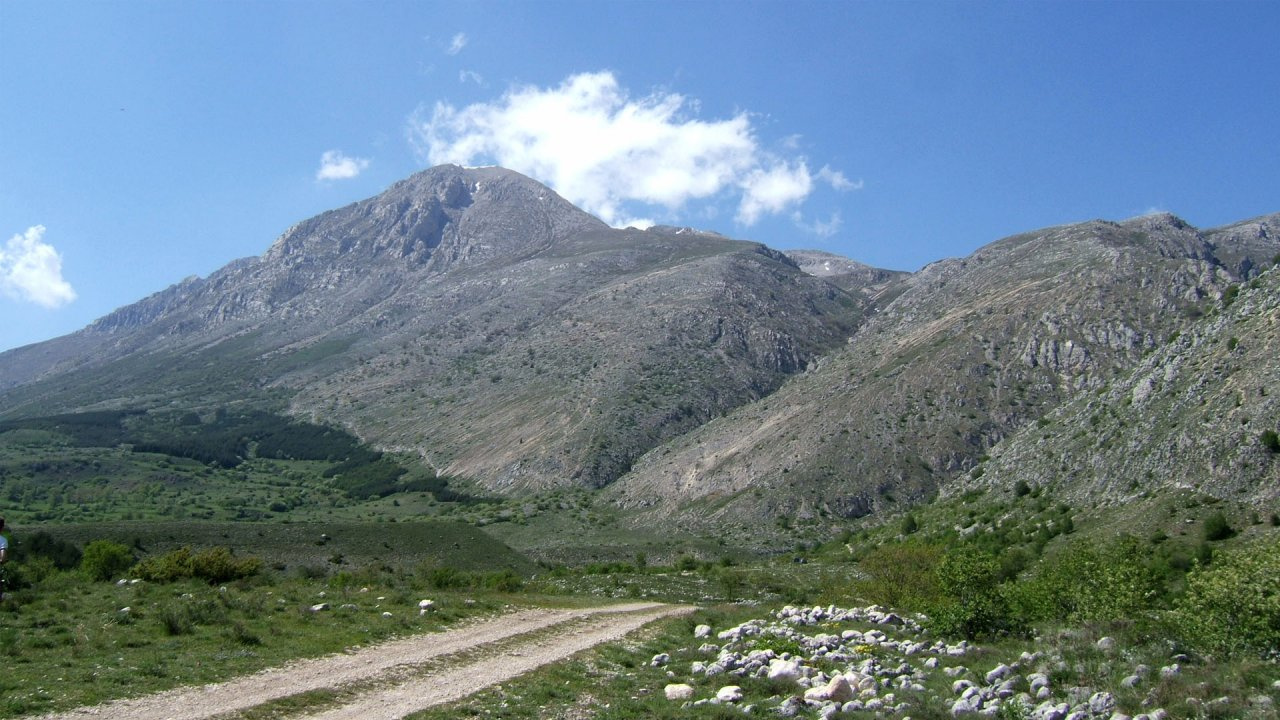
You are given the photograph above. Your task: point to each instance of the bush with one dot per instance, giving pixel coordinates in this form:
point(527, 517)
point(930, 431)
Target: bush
point(901, 576)
point(215, 565)
point(909, 524)
point(104, 559)
point(975, 603)
point(1271, 441)
point(1093, 582)
point(1216, 528)
point(1233, 607)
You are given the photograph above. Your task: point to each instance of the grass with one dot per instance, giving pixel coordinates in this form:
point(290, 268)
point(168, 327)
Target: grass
point(70, 642)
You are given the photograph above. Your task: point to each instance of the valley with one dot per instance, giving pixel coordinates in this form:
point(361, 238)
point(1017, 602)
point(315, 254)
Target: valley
point(468, 388)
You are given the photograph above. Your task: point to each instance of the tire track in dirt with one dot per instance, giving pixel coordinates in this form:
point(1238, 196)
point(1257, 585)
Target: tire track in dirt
point(384, 660)
point(449, 684)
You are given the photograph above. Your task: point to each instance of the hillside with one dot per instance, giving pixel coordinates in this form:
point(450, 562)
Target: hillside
point(971, 351)
point(1201, 413)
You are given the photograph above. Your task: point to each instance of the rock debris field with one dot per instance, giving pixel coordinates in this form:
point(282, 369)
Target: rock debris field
point(889, 670)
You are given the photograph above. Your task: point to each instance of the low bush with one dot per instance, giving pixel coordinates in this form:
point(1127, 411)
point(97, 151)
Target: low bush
point(215, 565)
point(104, 560)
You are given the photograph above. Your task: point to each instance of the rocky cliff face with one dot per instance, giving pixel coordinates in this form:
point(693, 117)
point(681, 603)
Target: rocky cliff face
point(971, 351)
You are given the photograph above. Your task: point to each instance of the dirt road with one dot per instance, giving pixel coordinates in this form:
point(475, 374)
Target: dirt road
point(397, 678)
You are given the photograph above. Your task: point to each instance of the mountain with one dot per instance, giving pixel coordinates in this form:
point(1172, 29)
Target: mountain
point(474, 319)
point(971, 351)
point(471, 317)
point(1201, 413)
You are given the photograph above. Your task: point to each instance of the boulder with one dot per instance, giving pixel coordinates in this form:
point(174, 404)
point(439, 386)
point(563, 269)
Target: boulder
point(702, 631)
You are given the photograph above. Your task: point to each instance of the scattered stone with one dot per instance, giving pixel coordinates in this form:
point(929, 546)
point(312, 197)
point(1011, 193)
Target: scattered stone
point(999, 672)
point(386, 615)
point(678, 691)
point(1107, 643)
point(660, 659)
point(319, 607)
point(425, 606)
point(702, 631)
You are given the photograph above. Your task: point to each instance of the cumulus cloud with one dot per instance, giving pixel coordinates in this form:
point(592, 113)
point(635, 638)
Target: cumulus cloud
point(336, 166)
point(601, 149)
point(458, 42)
point(31, 270)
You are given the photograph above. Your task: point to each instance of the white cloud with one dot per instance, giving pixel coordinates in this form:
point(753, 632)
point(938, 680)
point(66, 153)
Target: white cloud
point(837, 180)
point(31, 270)
point(336, 166)
point(458, 42)
point(470, 76)
point(773, 190)
point(602, 149)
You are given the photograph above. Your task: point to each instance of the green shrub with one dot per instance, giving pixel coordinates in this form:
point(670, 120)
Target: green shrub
point(974, 602)
point(909, 524)
point(219, 565)
point(1270, 440)
point(1216, 528)
point(215, 565)
point(901, 576)
point(104, 559)
point(1092, 582)
point(1233, 607)
point(169, 567)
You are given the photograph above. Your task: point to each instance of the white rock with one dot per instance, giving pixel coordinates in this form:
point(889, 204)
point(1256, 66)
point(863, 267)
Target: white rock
point(678, 691)
point(660, 659)
point(729, 693)
point(319, 607)
point(784, 670)
point(386, 614)
point(702, 631)
point(1106, 643)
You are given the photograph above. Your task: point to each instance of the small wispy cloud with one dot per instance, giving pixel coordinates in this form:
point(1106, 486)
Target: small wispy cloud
point(336, 166)
point(31, 270)
point(837, 180)
point(465, 76)
point(603, 149)
point(821, 228)
point(458, 42)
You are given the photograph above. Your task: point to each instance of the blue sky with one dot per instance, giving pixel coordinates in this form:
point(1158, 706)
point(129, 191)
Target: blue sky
point(144, 142)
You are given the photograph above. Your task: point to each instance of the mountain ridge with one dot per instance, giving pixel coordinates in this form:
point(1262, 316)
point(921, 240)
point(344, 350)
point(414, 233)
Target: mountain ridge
point(476, 320)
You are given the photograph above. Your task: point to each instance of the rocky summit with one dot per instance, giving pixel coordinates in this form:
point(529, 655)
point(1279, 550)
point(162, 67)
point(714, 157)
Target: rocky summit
point(477, 322)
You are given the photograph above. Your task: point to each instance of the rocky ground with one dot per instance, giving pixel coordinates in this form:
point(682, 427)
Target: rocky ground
point(817, 664)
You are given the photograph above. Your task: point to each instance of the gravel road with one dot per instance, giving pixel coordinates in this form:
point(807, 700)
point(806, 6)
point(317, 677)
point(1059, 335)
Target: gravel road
point(494, 653)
